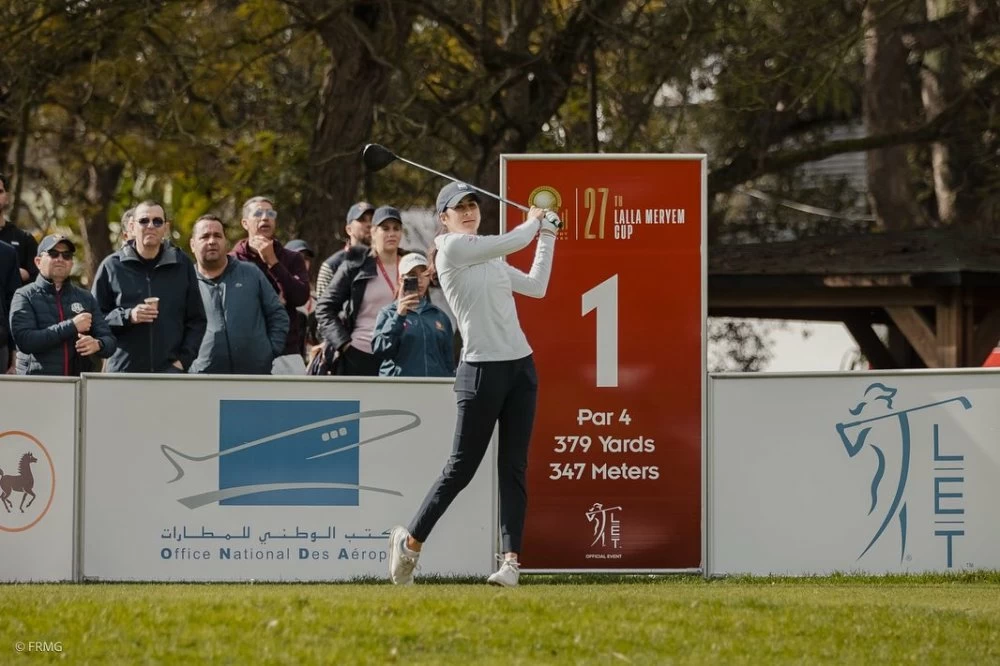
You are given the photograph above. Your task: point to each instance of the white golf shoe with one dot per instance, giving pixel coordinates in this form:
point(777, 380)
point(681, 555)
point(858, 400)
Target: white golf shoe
point(402, 560)
point(508, 574)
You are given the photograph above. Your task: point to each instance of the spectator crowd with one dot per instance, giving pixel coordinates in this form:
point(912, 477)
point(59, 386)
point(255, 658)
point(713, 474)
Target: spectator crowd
point(249, 309)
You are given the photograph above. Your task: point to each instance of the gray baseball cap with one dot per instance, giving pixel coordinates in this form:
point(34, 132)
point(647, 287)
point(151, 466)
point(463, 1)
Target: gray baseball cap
point(452, 193)
point(357, 210)
point(383, 213)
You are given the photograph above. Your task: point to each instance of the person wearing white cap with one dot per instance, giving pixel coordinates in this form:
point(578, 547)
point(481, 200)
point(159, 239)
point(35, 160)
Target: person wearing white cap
point(496, 379)
point(413, 337)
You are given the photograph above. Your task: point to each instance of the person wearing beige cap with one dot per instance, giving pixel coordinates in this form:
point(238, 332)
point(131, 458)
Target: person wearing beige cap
point(57, 326)
point(413, 337)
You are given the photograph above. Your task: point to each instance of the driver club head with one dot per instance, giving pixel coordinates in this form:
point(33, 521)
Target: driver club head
point(377, 157)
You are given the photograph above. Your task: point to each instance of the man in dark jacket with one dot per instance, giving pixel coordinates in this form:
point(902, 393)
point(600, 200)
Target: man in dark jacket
point(284, 269)
point(22, 241)
point(52, 320)
point(359, 233)
point(10, 282)
point(247, 324)
point(149, 295)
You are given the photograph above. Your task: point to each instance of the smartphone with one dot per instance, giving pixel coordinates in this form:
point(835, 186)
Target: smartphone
point(410, 285)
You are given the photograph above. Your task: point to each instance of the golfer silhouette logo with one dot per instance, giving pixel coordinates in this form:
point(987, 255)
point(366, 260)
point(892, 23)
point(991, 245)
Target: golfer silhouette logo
point(891, 448)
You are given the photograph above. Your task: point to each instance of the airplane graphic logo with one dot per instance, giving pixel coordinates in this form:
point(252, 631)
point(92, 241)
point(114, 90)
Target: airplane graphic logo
point(288, 453)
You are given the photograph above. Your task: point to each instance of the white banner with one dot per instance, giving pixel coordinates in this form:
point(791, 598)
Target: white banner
point(37, 480)
point(880, 473)
point(189, 478)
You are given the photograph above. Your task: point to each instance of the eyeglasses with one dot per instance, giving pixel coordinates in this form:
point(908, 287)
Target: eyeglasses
point(65, 254)
point(269, 214)
point(145, 221)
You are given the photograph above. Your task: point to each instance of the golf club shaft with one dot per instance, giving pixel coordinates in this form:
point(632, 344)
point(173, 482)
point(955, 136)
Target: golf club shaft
point(456, 180)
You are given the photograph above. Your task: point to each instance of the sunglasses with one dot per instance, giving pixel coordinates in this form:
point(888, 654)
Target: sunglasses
point(65, 254)
point(269, 214)
point(145, 221)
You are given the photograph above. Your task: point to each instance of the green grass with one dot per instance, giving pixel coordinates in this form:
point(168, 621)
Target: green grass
point(602, 620)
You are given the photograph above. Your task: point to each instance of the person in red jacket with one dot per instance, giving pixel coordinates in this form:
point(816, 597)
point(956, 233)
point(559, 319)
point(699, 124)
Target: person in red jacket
point(284, 269)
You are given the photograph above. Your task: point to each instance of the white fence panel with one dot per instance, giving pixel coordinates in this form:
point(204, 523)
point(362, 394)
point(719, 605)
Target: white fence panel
point(237, 478)
point(38, 482)
point(881, 473)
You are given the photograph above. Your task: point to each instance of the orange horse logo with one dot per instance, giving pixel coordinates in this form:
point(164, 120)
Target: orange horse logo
point(23, 483)
point(35, 480)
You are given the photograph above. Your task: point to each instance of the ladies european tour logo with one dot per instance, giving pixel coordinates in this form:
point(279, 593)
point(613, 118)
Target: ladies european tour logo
point(855, 434)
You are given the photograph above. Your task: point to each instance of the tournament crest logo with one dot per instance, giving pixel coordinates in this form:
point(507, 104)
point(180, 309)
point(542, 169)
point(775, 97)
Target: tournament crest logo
point(545, 196)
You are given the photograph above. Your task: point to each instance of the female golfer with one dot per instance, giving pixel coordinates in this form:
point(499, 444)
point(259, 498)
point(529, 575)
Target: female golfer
point(496, 379)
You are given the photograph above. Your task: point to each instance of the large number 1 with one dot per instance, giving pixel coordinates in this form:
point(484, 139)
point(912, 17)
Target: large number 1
point(604, 299)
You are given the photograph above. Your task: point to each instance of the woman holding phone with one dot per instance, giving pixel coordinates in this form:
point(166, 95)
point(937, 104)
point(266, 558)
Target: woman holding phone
point(496, 380)
point(413, 337)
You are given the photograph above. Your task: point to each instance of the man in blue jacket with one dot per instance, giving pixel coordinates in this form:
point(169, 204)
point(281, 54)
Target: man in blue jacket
point(148, 292)
point(247, 324)
point(53, 321)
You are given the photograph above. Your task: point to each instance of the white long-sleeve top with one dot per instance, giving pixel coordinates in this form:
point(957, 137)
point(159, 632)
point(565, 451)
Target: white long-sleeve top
point(480, 286)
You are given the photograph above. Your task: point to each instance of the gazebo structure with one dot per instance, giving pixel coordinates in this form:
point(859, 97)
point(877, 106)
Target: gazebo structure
point(937, 290)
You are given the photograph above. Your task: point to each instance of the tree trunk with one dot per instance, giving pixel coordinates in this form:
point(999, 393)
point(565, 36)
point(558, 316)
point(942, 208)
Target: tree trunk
point(532, 102)
point(102, 184)
point(941, 79)
point(363, 45)
point(887, 107)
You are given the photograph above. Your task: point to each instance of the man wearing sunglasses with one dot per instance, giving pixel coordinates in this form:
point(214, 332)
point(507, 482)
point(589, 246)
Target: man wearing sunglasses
point(56, 325)
point(148, 292)
point(284, 269)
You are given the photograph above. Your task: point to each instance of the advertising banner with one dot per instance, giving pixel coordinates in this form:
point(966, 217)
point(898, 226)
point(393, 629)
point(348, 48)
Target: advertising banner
point(190, 478)
point(37, 481)
point(875, 473)
point(615, 470)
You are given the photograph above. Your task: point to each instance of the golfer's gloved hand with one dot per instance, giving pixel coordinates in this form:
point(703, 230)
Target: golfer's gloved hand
point(551, 222)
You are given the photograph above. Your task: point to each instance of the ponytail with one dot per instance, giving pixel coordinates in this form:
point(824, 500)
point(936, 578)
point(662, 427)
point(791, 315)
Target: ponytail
point(432, 251)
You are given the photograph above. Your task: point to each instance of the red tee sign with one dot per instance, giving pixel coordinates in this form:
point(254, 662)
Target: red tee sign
point(615, 468)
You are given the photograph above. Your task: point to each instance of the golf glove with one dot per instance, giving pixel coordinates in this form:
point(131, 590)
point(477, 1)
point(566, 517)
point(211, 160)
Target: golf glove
point(551, 222)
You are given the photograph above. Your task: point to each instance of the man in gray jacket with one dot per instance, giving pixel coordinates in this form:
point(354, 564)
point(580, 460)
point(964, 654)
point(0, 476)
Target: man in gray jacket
point(247, 324)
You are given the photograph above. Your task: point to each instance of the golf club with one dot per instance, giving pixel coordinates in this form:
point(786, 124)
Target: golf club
point(378, 157)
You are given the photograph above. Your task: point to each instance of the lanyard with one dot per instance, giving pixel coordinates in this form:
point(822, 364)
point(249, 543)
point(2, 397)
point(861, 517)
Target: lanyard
point(385, 275)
